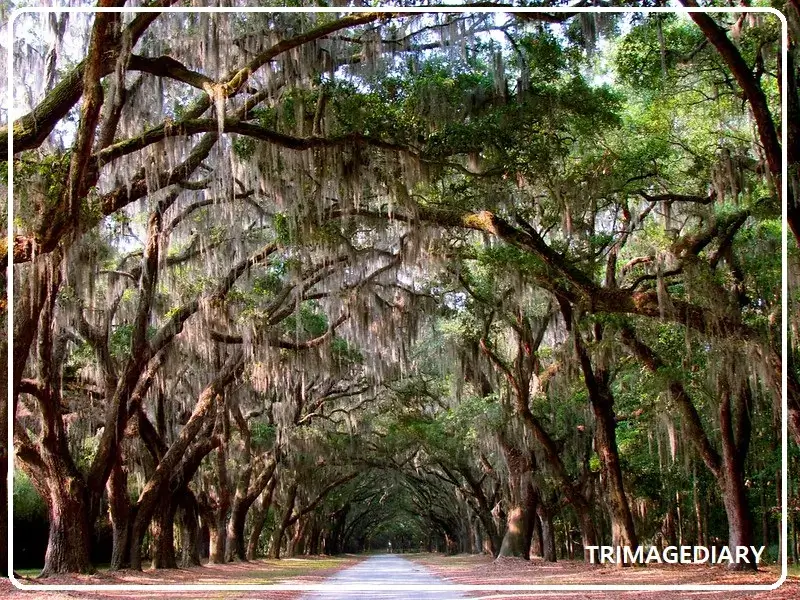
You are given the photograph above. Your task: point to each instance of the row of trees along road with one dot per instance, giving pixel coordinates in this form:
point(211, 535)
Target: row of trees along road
point(313, 282)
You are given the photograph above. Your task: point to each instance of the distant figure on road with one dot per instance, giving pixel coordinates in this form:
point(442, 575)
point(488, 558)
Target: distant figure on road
point(390, 547)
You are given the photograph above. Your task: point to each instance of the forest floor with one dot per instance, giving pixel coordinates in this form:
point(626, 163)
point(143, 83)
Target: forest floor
point(462, 569)
point(479, 569)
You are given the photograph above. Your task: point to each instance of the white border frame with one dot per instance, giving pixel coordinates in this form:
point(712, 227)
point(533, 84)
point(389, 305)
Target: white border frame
point(401, 587)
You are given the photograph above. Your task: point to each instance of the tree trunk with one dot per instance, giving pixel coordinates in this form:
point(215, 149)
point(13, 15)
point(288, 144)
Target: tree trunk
point(297, 543)
point(203, 544)
point(70, 530)
point(162, 529)
point(259, 519)
point(314, 537)
point(740, 523)
point(728, 468)
point(218, 533)
point(158, 485)
point(235, 546)
point(536, 540)
point(516, 541)
point(190, 531)
point(280, 529)
point(700, 539)
point(548, 534)
point(519, 525)
point(492, 540)
point(622, 529)
point(519, 521)
point(588, 531)
point(735, 443)
point(668, 527)
point(119, 506)
point(602, 401)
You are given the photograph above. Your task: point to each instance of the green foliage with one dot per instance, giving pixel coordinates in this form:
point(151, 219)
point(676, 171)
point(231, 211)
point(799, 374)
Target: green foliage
point(284, 228)
point(638, 55)
point(345, 352)
point(310, 320)
point(39, 184)
point(262, 436)
point(243, 146)
point(28, 504)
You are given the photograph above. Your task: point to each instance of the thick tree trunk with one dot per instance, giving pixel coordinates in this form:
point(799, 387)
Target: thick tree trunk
point(312, 548)
point(259, 519)
point(119, 506)
point(602, 400)
point(740, 523)
point(519, 521)
point(476, 536)
point(70, 530)
point(622, 528)
point(517, 541)
point(162, 529)
point(536, 541)
point(218, 532)
point(545, 518)
point(190, 531)
point(492, 540)
point(280, 529)
point(519, 525)
point(735, 443)
point(204, 544)
point(588, 530)
point(235, 548)
point(297, 542)
point(236, 545)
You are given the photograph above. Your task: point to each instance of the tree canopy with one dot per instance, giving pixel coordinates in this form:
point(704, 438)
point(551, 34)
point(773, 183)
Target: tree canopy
point(504, 282)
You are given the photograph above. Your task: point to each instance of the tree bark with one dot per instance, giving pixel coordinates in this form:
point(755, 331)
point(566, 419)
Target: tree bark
point(163, 529)
point(157, 486)
point(280, 529)
point(236, 542)
point(548, 533)
point(260, 519)
point(517, 539)
point(242, 502)
point(623, 532)
point(190, 531)
point(536, 541)
point(218, 533)
point(735, 443)
point(119, 506)
point(70, 530)
point(519, 522)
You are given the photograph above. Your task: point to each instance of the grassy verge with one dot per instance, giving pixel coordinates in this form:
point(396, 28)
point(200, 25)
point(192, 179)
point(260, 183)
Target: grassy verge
point(306, 569)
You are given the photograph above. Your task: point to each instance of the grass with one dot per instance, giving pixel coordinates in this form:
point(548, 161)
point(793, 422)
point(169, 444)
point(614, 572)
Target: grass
point(28, 572)
point(35, 572)
point(287, 568)
point(261, 571)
